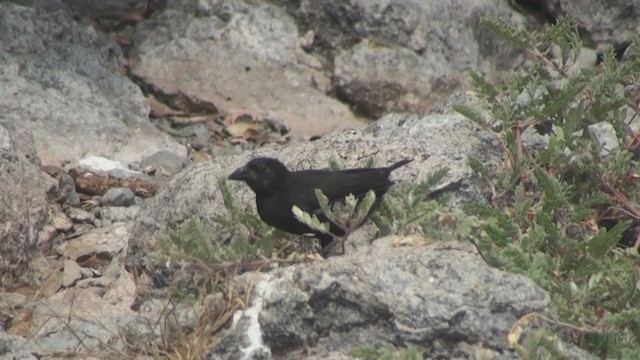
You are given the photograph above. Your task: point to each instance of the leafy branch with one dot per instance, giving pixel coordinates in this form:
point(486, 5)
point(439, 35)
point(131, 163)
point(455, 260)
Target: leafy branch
point(346, 215)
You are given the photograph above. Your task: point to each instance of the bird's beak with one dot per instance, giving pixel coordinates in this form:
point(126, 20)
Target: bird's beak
point(242, 174)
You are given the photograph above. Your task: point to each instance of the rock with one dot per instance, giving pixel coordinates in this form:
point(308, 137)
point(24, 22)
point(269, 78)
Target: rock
point(403, 55)
point(79, 321)
point(74, 97)
point(46, 236)
point(51, 285)
point(108, 8)
point(71, 273)
point(439, 298)
point(42, 267)
point(12, 347)
point(119, 197)
point(602, 24)
point(55, 322)
point(87, 272)
point(97, 285)
point(123, 290)
point(377, 80)
point(165, 162)
point(260, 66)
point(605, 135)
point(11, 300)
point(51, 185)
point(24, 208)
point(100, 314)
point(281, 60)
point(116, 214)
point(442, 299)
point(80, 216)
point(109, 241)
point(60, 221)
point(587, 59)
point(433, 142)
point(67, 189)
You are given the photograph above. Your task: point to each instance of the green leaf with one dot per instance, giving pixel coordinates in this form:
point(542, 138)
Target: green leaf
point(587, 205)
point(369, 163)
point(421, 191)
point(604, 241)
point(310, 220)
point(334, 165)
point(555, 192)
point(548, 225)
point(227, 196)
point(519, 38)
point(323, 201)
point(561, 102)
point(350, 201)
point(470, 113)
point(477, 166)
point(364, 205)
point(486, 89)
point(560, 30)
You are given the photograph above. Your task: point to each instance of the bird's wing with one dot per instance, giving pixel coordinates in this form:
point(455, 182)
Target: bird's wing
point(338, 186)
point(335, 185)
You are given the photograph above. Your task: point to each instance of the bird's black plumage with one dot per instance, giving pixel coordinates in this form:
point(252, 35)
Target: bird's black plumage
point(277, 190)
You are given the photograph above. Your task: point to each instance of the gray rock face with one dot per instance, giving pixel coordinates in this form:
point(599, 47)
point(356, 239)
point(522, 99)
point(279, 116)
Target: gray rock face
point(440, 298)
point(11, 345)
point(115, 214)
point(95, 8)
point(65, 84)
point(282, 60)
point(96, 318)
point(237, 56)
point(89, 317)
point(602, 23)
point(399, 55)
point(23, 200)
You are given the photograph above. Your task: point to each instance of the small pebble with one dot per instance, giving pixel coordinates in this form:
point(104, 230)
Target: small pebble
point(119, 197)
point(72, 272)
point(67, 189)
point(170, 162)
point(80, 216)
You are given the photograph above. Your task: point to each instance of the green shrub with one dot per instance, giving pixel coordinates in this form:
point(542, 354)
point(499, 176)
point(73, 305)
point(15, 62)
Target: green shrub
point(566, 213)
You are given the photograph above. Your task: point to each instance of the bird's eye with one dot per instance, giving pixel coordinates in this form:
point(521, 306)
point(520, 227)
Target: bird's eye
point(262, 168)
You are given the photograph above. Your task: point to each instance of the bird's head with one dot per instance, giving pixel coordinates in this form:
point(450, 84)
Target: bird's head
point(263, 175)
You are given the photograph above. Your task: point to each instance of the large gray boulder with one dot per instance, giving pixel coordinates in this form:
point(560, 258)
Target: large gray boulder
point(403, 55)
point(441, 298)
point(65, 83)
point(295, 61)
point(237, 56)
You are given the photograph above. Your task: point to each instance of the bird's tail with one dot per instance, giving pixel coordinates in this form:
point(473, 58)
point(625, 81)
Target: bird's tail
point(399, 164)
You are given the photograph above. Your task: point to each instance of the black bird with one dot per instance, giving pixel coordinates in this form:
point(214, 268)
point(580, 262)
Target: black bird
point(277, 189)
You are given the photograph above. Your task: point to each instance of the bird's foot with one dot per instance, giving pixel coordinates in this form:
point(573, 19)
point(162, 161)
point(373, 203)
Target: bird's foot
point(327, 249)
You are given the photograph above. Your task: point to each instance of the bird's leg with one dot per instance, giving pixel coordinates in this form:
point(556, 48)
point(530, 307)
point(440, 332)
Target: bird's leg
point(336, 239)
point(325, 250)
